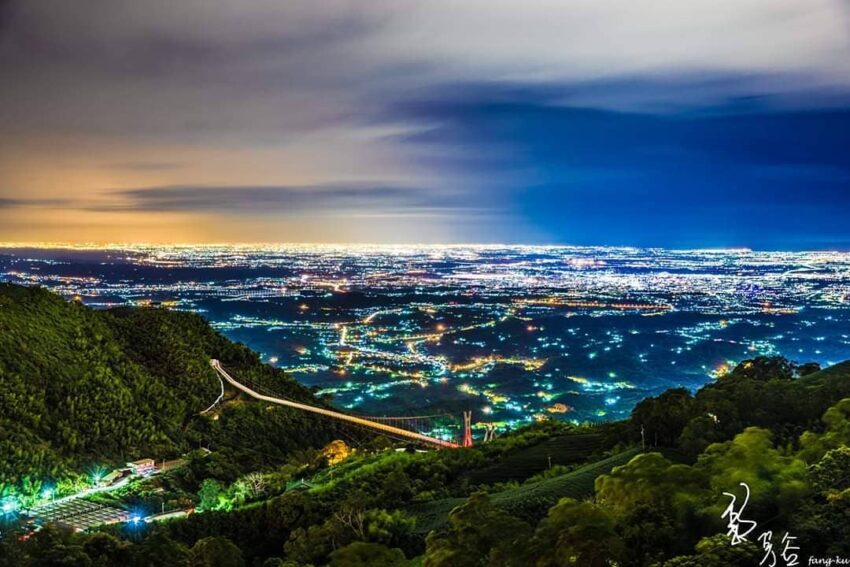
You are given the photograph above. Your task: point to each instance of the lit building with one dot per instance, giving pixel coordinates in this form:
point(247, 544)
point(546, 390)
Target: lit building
point(142, 466)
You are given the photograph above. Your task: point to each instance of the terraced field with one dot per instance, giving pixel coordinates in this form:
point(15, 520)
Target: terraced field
point(529, 501)
point(522, 464)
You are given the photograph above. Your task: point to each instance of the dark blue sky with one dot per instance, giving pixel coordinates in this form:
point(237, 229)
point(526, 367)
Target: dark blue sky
point(748, 173)
point(654, 123)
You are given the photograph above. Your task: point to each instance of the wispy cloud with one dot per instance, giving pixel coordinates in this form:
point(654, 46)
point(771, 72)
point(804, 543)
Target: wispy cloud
point(21, 203)
point(145, 165)
point(323, 199)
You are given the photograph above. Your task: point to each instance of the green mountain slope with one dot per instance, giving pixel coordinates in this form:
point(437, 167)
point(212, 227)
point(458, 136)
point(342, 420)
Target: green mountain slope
point(832, 382)
point(559, 450)
point(529, 500)
point(80, 387)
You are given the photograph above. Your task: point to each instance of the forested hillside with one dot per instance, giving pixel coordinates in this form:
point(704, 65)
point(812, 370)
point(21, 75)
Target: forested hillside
point(781, 428)
point(81, 388)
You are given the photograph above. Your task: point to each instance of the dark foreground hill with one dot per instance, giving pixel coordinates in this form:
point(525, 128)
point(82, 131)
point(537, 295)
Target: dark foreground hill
point(81, 388)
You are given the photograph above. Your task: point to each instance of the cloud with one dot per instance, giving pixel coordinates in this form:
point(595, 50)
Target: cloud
point(231, 73)
point(276, 200)
point(145, 165)
point(546, 109)
point(32, 203)
point(737, 174)
point(516, 124)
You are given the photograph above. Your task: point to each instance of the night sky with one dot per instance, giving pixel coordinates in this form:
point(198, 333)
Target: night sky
point(647, 123)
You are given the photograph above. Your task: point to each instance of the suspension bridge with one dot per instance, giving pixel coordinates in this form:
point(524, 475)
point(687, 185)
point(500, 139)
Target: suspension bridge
point(405, 428)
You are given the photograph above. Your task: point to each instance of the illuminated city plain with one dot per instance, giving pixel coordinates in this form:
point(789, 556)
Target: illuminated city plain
point(514, 333)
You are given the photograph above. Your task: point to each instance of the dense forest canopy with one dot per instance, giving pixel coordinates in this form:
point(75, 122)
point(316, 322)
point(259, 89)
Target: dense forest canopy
point(84, 388)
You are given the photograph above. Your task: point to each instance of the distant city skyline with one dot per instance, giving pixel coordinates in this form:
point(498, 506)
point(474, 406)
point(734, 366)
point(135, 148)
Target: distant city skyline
point(654, 124)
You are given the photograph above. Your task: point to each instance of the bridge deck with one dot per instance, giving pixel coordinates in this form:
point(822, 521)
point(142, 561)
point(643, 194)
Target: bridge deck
point(333, 414)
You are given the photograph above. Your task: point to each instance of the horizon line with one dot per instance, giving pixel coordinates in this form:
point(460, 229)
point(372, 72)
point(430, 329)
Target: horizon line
point(100, 245)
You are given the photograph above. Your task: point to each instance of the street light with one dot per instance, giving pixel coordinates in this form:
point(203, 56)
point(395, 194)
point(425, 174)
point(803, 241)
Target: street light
point(96, 475)
point(9, 505)
point(137, 516)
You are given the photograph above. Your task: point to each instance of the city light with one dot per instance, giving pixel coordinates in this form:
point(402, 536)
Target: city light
point(524, 330)
point(9, 505)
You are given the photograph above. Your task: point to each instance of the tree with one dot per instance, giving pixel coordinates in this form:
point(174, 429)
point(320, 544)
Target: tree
point(54, 547)
point(675, 491)
point(159, 550)
point(363, 554)
point(335, 452)
point(395, 489)
point(649, 535)
point(256, 484)
point(821, 521)
point(12, 552)
point(313, 544)
point(662, 418)
point(650, 479)
point(577, 533)
point(106, 550)
point(391, 528)
point(764, 368)
point(216, 552)
point(777, 482)
point(716, 551)
point(354, 519)
point(701, 432)
point(211, 496)
point(831, 475)
point(478, 535)
point(837, 432)
point(808, 368)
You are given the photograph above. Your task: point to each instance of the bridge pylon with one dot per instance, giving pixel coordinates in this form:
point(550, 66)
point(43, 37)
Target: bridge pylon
point(467, 429)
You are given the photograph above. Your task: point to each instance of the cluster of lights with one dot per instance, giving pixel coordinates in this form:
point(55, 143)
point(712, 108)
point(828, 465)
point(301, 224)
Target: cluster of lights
point(9, 505)
point(458, 315)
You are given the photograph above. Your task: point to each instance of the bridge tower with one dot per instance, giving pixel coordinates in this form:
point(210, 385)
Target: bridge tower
point(467, 429)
